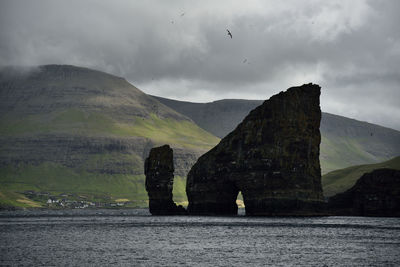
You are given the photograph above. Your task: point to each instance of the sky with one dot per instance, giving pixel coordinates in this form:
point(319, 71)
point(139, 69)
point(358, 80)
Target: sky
point(181, 49)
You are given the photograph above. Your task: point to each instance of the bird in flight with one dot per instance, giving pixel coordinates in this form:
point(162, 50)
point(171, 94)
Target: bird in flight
point(229, 33)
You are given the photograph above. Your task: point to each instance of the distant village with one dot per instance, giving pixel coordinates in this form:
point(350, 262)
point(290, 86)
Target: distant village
point(74, 201)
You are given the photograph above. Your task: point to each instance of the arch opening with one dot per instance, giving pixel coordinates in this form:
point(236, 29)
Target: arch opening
point(240, 201)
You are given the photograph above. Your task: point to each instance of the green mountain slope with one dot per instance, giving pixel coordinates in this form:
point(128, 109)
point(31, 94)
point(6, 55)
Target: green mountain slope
point(345, 142)
point(77, 131)
point(340, 180)
point(218, 117)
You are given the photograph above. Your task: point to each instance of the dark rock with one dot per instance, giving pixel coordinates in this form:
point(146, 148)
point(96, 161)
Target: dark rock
point(272, 157)
point(375, 194)
point(159, 171)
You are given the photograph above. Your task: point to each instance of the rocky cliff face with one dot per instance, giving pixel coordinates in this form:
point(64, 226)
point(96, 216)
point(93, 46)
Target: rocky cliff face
point(375, 194)
point(272, 157)
point(159, 171)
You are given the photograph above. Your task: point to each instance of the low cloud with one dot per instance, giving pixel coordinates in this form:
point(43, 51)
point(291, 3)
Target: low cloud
point(181, 49)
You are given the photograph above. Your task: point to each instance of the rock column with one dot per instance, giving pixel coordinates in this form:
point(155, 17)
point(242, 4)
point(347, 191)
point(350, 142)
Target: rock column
point(159, 171)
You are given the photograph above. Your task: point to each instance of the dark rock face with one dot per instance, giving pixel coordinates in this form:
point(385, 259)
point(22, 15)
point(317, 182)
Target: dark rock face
point(272, 157)
point(159, 171)
point(375, 194)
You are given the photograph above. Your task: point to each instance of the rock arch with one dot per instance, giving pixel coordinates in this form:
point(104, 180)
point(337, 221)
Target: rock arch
point(272, 157)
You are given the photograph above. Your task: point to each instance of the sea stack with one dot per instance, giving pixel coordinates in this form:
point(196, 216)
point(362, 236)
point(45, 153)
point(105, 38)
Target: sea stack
point(272, 157)
point(159, 171)
point(375, 194)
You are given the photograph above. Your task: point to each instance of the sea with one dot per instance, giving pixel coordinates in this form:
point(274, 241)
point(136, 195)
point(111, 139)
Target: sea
point(133, 237)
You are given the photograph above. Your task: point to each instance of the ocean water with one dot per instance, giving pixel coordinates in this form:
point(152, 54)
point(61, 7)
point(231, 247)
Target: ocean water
point(134, 238)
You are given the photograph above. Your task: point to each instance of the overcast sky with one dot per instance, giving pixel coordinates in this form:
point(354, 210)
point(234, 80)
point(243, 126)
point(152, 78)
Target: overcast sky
point(181, 49)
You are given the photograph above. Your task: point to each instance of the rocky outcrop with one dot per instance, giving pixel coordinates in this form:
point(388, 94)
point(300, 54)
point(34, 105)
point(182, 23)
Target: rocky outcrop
point(159, 171)
point(375, 194)
point(272, 157)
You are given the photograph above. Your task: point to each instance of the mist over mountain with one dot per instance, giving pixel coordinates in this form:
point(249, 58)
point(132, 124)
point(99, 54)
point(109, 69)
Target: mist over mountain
point(345, 142)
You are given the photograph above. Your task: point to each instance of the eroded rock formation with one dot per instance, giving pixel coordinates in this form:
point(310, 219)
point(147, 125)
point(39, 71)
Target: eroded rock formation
point(375, 194)
point(272, 157)
point(159, 171)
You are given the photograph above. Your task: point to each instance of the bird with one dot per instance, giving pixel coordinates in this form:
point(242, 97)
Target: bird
point(245, 60)
point(229, 33)
point(183, 14)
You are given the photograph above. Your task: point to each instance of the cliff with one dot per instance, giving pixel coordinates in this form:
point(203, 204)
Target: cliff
point(375, 194)
point(272, 157)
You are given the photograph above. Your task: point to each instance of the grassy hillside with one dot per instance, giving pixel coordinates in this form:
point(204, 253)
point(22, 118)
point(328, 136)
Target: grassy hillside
point(340, 180)
point(79, 134)
point(218, 117)
point(337, 152)
point(345, 142)
point(182, 133)
point(58, 180)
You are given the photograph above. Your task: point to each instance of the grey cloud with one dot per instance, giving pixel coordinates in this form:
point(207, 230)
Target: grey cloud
point(352, 48)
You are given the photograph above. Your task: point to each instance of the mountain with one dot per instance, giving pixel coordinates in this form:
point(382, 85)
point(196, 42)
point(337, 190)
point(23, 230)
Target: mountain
point(345, 142)
point(81, 133)
point(218, 117)
point(341, 180)
point(71, 130)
